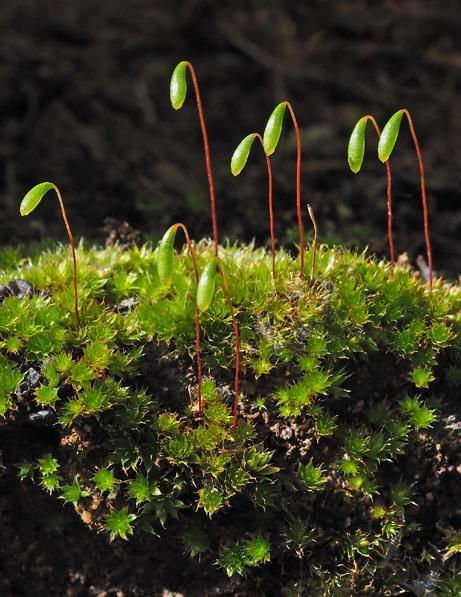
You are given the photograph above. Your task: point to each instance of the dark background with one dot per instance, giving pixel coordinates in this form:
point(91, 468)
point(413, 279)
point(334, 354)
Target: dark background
point(84, 102)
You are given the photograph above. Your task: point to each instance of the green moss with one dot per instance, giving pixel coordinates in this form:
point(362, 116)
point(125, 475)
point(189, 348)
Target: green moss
point(450, 587)
point(339, 380)
point(104, 480)
point(71, 494)
point(119, 523)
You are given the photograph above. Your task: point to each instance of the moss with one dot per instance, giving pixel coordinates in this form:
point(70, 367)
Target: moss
point(343, 382)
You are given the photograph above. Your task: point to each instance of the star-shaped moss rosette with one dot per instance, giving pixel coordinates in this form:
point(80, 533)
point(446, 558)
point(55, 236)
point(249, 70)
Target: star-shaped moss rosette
point(311, 357)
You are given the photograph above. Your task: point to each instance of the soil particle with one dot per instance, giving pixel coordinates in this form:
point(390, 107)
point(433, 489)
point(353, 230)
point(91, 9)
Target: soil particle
point(26, 389)
point(126, 305)
point(76, 440)
point(291, 438)
point(120, 233)
point(43, 419)
point(18, 288)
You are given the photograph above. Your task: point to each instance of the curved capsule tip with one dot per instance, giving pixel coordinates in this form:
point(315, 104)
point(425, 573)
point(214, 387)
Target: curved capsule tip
point(389, 136)
point(241, 153)
point(33, 197)
point(166, 254)
point(207, 285)
point(273, 129)
point(356, 147)
point(178, 85)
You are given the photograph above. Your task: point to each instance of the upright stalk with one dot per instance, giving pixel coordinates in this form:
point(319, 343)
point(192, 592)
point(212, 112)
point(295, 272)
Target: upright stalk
point(178, 92)
point(310, 211)
point(30, 201)
point(197, 316)
point(272, 134)
point(237, 345)
point(298, 187)
point(386, 145)
point(271, 207)
point(389, 196)
point(423, 195)
point(72, 246)
point(238, 161)
point(390, 239)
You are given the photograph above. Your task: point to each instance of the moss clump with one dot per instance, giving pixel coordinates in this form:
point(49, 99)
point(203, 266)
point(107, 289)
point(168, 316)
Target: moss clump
point(349, 388)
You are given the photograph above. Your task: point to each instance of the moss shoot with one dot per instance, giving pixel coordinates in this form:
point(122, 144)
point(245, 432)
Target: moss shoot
point(348, 411)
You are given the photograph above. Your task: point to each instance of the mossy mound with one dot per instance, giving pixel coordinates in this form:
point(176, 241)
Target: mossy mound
point(342, 476)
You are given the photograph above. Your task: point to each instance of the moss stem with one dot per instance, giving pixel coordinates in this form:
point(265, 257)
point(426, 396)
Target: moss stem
point(237, 345)
point(206, 147)
point(389, 196)
point(197, 316)
point(72, 245)
point(298, 188)
point(310, 211)
point(423, 194)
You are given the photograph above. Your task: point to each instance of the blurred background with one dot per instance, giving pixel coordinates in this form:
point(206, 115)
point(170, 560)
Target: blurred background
point(84, 102)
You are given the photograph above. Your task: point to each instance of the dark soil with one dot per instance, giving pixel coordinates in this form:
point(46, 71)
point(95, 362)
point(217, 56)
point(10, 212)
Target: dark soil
point(47, 550)
point(84, 102)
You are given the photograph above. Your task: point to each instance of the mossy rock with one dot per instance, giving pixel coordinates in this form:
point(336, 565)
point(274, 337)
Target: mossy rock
point(342, 476)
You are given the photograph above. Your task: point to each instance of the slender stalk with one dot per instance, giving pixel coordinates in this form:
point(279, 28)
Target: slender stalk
point(298, 187)
point(310, 211)
point(389, 196)
point(389, 215)
point(72, 245)
point(271, 204)
point(423, 195)
point(197, 316)
point(237, 345)
point(206, 147)
point(271, 211)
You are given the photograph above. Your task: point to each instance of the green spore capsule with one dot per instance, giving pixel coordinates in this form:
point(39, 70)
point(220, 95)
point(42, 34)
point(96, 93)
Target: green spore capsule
point(241, 153)
point(356, 147)
point(33, 197)
point(178, 85)
point(389, 136)
point(273, 129)
point(165, 255)
point(207, 285)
